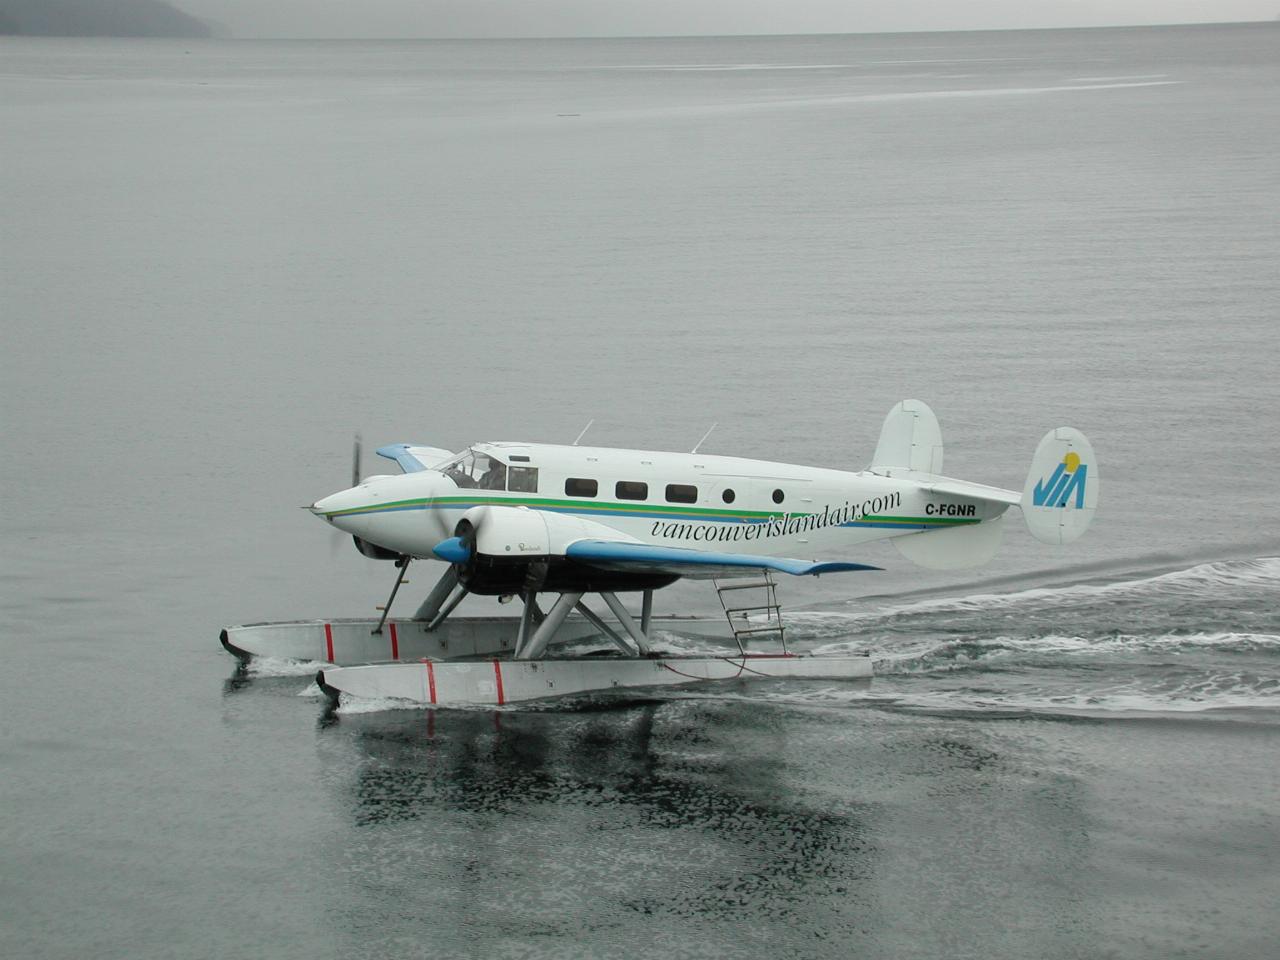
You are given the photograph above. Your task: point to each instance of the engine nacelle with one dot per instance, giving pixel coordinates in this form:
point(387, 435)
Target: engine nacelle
point(515, 549)
point(513, 532)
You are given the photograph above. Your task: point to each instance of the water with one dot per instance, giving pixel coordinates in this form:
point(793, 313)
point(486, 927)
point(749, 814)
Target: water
point(222, 258)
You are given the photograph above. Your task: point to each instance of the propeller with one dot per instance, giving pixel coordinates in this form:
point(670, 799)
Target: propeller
point(453, 550)
point(460, 549)
point(370, 550)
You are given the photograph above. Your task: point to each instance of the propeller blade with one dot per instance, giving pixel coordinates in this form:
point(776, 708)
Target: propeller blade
point(453, 550)
point(370, 550)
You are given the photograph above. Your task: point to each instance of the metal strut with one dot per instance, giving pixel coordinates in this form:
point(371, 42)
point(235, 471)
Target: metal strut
point(624, 618)
point(607, 630)
point(550, 624)
point(403, 564)
point(438, 595)
point(527, 619)
point(455, 598)
point(444, 596)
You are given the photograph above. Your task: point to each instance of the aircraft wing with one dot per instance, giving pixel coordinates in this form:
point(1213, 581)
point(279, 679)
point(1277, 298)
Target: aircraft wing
point(413, 458)
point(694, 564)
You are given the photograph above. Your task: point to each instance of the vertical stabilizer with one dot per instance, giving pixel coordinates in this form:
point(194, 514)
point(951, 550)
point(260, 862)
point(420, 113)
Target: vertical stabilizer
point(1061, 492)
point(909, 440)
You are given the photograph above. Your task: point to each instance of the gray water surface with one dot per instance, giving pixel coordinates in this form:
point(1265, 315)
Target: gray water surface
point(222, 258)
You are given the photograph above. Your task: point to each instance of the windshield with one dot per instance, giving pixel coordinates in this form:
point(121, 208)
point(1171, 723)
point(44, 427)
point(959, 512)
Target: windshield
point(477, 470)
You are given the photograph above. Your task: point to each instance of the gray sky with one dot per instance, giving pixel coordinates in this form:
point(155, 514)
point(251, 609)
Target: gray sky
point(498, 18)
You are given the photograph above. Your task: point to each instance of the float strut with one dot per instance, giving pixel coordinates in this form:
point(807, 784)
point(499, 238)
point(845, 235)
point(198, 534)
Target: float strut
point(550, 624)
point(646, 612)
point(438, 595)
point(403, 564)
point(527, 619)
point(455, 599)
point(628, 624)
point(607, 630)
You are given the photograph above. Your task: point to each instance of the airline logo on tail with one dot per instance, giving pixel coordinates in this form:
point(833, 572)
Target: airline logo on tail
point(1069, 477)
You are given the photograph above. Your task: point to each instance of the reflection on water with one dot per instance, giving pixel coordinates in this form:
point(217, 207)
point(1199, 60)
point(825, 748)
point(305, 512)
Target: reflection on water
point(717, 828)
point(239, 680)
point(592, 821)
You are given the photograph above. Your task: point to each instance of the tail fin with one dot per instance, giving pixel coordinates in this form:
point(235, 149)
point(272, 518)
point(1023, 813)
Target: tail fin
point(910, 439)
point(1061, 492)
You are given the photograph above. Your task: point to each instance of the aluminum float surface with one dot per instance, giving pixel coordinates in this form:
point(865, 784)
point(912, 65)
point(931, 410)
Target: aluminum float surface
point(495, 682)
point(351, 641)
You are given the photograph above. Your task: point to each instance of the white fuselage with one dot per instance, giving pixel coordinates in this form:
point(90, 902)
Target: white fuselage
point(688, 500)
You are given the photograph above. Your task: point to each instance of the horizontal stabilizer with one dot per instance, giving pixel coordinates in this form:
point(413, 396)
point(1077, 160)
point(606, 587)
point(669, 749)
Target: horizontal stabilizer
point(963, 488)
point(695, 564)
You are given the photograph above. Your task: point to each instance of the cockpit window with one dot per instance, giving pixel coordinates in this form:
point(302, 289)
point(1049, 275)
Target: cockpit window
point(473, 469)
point(459, 469)
point(494, 476)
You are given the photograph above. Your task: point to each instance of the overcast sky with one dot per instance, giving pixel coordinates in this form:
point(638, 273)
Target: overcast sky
point(542, 18)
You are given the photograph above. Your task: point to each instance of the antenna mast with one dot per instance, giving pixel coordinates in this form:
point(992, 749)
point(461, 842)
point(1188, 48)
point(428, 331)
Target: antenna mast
point(584, 431)
point(704, 438)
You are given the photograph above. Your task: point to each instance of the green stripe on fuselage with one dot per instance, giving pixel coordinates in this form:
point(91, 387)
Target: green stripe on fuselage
point(628, 509)
point(593, 506)
point(921, 521)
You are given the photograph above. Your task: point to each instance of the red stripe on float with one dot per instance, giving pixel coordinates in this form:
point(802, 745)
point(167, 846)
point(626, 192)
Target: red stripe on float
point(497, 672)
point(395, 643)
point(431, 680)
point(328, 641)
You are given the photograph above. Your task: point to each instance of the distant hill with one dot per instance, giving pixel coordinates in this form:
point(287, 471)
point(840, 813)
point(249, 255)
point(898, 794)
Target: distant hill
point(98, 18)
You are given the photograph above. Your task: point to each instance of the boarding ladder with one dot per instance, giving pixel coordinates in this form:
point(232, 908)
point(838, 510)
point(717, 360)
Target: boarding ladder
point(753, 621)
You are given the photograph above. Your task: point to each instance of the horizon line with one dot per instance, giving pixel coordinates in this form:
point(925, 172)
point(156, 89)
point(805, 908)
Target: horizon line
point(694, 36)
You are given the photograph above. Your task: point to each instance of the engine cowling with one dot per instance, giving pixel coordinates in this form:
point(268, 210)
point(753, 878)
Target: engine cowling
point(513, 550)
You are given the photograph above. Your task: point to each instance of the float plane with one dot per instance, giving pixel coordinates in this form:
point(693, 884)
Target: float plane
point(541, 521)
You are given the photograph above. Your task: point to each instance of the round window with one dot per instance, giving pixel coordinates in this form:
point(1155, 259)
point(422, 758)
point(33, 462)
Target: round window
point(728, 496)
point(778, 496)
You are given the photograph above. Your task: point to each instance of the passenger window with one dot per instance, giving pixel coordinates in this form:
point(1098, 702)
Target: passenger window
point(631, 490)
point(778, 496)
point(728, 496)
point(522, 479)
point(577, 487)
point(682, 493)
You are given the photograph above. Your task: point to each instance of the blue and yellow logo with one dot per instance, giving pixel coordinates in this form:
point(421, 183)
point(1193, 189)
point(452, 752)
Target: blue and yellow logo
point(1068, 478)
